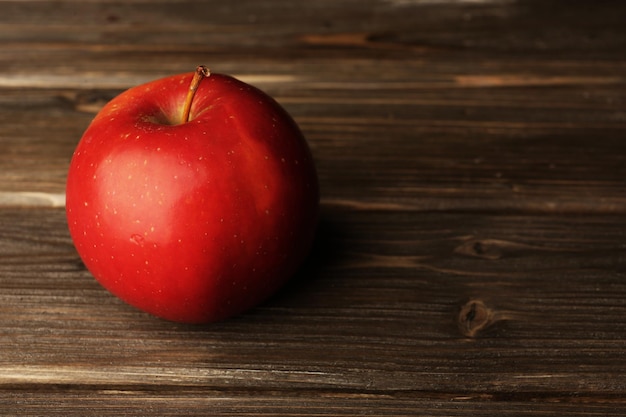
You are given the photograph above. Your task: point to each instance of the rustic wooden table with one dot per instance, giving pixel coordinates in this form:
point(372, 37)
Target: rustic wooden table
point(471, 258)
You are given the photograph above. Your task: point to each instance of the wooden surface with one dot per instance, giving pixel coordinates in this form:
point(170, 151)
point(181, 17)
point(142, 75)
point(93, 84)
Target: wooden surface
point(471, 258)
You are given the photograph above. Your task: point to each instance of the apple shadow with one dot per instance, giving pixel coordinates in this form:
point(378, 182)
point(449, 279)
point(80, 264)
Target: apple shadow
point(327, 250)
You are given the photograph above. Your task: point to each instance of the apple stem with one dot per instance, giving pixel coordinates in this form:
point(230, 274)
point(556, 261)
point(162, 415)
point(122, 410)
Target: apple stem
point(201, 72)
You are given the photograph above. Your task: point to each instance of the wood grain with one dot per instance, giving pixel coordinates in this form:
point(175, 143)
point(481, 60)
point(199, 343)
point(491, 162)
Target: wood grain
point(471, 256)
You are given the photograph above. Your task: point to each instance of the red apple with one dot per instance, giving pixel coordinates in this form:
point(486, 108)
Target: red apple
point(193, 201)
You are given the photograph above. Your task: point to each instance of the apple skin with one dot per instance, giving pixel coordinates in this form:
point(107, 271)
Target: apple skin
point(192, 222)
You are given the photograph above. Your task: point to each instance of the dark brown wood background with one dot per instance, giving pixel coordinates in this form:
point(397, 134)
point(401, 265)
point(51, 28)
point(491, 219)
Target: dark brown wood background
point(471, 258)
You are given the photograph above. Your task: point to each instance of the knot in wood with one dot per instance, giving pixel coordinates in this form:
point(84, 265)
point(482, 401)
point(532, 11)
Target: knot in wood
point(474, 317)
point(490, 249)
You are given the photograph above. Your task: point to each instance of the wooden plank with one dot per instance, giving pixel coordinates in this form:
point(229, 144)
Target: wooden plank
point(415, 305)
point(474, 149)
point(384, 27)
point(228, 403)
